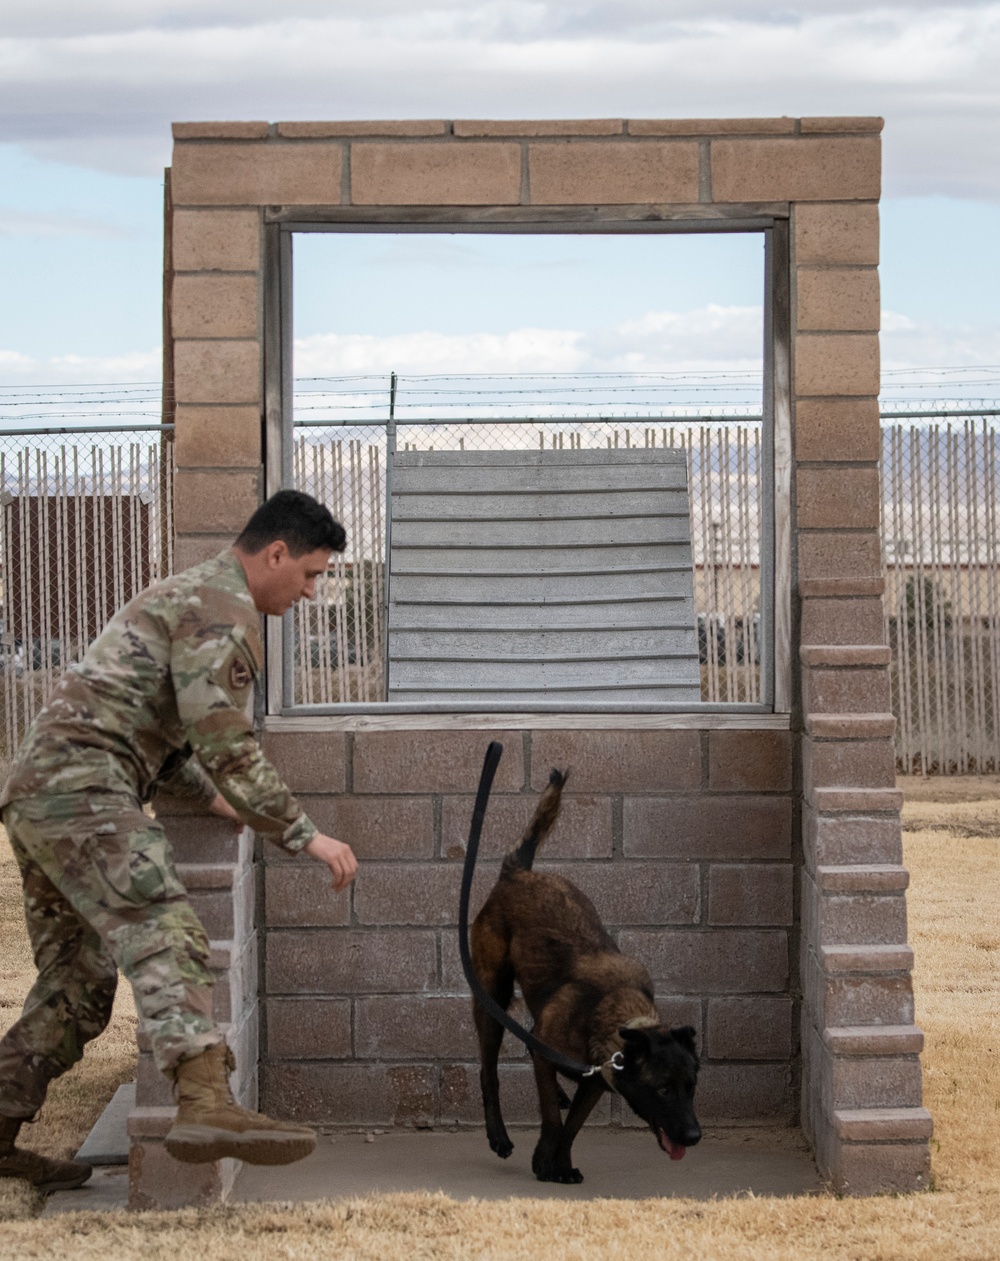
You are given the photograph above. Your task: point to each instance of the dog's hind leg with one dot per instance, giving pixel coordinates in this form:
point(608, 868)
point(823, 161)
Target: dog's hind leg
point(501, 988)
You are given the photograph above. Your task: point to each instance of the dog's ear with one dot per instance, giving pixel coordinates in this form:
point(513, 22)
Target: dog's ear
point(685, 1035)
point(636, 1041)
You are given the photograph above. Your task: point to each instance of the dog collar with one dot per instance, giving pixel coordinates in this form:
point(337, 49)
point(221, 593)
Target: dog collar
point(616, 1061)
point(608, 1069)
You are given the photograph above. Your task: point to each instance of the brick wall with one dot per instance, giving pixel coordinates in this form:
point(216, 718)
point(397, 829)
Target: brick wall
point(683, 839)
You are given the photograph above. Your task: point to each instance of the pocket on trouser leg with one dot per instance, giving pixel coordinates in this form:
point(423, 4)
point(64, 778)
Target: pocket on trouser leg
point(132, 864)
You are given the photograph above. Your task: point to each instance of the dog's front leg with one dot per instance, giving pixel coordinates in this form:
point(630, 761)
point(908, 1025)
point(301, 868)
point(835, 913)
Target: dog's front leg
point(587, 1094)
point(548, 1163)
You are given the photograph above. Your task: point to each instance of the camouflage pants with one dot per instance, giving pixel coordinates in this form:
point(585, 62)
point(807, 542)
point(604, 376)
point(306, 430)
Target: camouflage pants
point(100, 895)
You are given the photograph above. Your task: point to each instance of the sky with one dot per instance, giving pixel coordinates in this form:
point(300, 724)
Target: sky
point(88, 91)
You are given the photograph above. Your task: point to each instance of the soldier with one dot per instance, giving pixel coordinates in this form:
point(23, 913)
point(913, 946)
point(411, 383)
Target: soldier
point(162, 699)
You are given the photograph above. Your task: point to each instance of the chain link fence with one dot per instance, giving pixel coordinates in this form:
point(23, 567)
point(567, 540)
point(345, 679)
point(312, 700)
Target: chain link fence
point(940, 479)
point(85, 524)
point(339, 636)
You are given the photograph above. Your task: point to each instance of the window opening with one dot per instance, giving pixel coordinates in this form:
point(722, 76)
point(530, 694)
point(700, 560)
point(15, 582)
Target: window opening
point(696, 390)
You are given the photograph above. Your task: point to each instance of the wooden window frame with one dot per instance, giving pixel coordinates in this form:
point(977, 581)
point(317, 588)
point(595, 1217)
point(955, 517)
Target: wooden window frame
point(776, 665)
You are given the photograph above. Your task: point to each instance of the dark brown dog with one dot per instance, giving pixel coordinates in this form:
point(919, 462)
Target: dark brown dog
point(588, 1001)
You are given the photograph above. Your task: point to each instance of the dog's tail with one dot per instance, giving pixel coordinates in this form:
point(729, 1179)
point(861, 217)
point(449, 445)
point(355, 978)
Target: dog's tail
point(546, 813)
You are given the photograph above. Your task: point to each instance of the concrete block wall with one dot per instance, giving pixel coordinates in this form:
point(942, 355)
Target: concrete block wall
point(227, 177)
point(682, 839)
point(215, 863)
point(861, 1096)
point(853, 1038)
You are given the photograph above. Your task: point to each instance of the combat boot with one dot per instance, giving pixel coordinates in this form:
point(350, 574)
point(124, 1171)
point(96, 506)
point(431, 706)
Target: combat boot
point(211, 1124)
point(44, 1173)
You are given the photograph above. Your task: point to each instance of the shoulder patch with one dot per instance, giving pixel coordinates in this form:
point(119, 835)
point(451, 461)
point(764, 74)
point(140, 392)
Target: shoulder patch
point(239, 675)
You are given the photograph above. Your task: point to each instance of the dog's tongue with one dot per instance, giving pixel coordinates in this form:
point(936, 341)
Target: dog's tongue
point(674, 1150)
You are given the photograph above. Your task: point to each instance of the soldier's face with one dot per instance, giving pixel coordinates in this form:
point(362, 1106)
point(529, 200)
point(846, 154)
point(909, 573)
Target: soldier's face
point(284, 578)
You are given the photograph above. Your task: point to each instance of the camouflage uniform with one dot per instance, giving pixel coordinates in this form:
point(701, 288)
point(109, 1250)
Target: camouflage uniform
point(163, 696)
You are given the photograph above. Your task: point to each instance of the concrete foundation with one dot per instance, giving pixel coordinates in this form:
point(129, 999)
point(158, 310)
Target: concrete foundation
point(616, 1164)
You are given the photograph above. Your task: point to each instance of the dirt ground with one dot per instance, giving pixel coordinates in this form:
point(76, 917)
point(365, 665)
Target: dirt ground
point(952, 847)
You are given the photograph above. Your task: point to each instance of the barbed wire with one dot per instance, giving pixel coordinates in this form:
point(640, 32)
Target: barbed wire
point(624, 396)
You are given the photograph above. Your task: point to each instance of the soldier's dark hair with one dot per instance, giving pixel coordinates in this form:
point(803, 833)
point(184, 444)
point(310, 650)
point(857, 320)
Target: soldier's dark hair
point(295, 518)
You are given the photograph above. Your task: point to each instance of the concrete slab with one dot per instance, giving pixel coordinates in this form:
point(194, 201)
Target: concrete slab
point(619, 1164)
point(107, 1142)
point(105, 1190)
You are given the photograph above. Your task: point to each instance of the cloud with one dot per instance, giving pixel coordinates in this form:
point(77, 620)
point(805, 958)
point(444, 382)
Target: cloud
point(916, 349)
point(98, 84)
point(434, 253)
point(17, 369)
point(711, 339)
point(39, 223)
point(721, 345)
point(506, 18)
point(522, 350)
point(713, 342)
point(714, 338)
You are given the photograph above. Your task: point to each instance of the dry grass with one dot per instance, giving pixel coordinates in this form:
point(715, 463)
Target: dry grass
point(955, 932)
point(954, 927)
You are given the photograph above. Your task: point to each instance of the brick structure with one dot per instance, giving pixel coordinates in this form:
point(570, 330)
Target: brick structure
point(753, 863)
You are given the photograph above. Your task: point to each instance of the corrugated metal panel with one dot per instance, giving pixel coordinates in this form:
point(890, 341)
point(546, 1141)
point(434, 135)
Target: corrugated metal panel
point(530, 575)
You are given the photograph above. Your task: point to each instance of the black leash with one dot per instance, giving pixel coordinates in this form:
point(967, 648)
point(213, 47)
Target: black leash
point(563, 1062)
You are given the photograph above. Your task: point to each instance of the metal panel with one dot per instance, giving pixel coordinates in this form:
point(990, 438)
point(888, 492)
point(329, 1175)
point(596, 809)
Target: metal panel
point(534, 645)
point(612, 615)
point(277, 275)
point(551, 532)
point(593, 506)
point(541, 575)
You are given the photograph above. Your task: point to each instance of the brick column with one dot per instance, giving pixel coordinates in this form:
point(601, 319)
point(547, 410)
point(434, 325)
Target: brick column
point(861, 1089)
point(215, 864)
point(217, 329)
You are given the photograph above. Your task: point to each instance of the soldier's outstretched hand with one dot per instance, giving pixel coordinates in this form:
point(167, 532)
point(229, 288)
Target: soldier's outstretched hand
point(337, 856)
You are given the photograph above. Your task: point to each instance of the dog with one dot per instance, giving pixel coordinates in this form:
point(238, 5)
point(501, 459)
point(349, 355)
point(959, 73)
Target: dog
point(587, 1000)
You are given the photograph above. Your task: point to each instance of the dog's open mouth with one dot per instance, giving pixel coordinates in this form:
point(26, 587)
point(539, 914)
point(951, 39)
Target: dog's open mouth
point(674, 1150)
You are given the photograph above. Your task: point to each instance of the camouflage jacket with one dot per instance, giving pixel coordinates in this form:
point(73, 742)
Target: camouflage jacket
point(171, 675)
